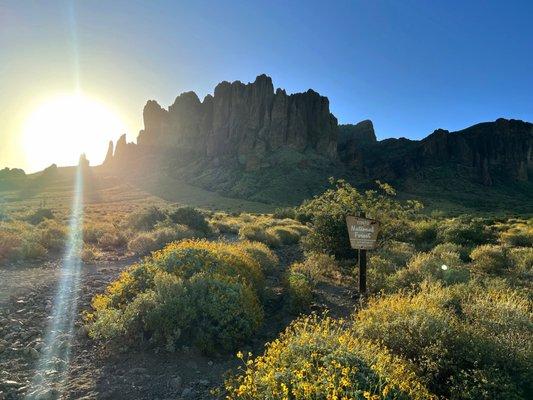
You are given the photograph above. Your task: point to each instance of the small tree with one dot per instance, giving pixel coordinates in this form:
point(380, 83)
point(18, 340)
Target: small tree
point(327, 214)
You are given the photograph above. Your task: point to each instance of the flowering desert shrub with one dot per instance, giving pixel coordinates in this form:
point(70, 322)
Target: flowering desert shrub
point(266, 258)
point(300, 291)
point(194, 291)
point(466, 342)
point(322, 359)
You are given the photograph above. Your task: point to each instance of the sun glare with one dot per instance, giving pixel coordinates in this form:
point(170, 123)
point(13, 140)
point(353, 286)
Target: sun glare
point(62, 128)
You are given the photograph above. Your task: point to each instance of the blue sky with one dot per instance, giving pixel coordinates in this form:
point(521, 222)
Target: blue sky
point(409, 66)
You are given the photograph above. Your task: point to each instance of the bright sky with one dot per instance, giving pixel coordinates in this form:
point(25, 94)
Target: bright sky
point(410, 66)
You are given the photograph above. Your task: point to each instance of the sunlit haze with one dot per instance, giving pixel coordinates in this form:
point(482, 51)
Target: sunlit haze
point(63, 127)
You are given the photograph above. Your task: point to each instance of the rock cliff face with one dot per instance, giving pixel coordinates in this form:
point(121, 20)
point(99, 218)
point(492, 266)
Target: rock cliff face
point(503, 148)
point(244, 123)
point(247, 138)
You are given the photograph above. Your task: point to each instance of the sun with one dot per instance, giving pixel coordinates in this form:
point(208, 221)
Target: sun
point(62, 128)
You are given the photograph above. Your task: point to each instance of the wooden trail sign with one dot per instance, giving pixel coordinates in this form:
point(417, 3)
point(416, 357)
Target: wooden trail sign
point(363, 234)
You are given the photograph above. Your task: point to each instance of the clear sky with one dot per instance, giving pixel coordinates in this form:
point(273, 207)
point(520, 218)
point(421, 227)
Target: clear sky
point(409, 66)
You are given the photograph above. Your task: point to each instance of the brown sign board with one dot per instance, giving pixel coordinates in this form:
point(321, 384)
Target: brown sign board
point(363, 232)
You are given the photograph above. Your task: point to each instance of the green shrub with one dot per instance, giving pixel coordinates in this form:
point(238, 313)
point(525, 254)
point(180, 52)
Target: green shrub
point(200, 292)
point(520, 236)
point(226, 312)
point(327, 214)
point(190, 217)
point(386, 261)
point(258, 233)
point(146, 242)
point(112, 240)
point(454, 338)
point(300, 291)
point(52, 235)
point(225, 227)
point(92, 232)
point(465, 231)
point(285, 234)
point(522, 259)
point(287, 212)
point(146, 218)
point(142, 243)
point(317, 267)
point(266, 258)
point(442, 264)
point(39, 215)
point(31, 249)
point(322, 359)
point(424, 234)
point(490, 259)
point(9, 245)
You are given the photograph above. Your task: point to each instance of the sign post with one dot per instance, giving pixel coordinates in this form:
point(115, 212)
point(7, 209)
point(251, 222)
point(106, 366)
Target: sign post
point(363, 234)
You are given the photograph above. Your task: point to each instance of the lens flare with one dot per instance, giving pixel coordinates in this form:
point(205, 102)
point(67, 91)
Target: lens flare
point(53, 363)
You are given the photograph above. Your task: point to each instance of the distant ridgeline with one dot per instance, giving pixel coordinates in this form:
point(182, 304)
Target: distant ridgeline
point(254, 142)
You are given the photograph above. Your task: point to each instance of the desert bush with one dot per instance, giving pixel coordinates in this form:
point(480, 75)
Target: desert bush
point(9, 245)
point(39, 215)
point(92, 232)
point(318, 267)
point(31, 248)
point(226, 312)
point(518, 236)
point(225, 226)
point(299, 290)
point(321, 359)
point(327, 214)
point(194, 291)
point(287, 212)
point(266, 258)
point(258, 233)
point(424, 234)
point(522, 259)
point(89, 253)
point(112, 240)
point(451, 335)
point(490, 259)
point(443, 264)
point(285, 234)
point(146, 242)
point(145, 219)
point(190, 217)
point(142, 243)
point(52, 235)
point(465, 231)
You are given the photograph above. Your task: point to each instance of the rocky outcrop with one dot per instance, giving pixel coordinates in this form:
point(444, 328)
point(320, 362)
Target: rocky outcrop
point(242, 123)
point(219, 142)
point(353, 140)
point(109, 155)
point(502, 148)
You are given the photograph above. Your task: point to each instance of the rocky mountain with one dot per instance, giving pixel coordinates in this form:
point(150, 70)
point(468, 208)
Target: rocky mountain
point(249, 140)
point(242, 123)
point(485, 152)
